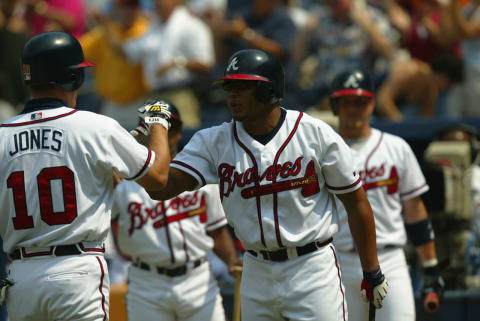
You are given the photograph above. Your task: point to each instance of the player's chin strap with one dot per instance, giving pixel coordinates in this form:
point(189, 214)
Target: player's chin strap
point(4, 284)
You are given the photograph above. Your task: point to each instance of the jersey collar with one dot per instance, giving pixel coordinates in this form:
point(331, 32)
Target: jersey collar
point(42, 104)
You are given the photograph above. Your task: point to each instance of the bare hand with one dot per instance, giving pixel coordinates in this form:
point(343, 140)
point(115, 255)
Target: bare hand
point(236, 27)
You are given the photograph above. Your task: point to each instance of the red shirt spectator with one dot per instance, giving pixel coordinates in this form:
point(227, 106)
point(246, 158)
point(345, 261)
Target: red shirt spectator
point(48, 15)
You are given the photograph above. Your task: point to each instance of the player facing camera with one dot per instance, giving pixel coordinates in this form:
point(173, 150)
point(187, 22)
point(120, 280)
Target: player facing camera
point(254, 82)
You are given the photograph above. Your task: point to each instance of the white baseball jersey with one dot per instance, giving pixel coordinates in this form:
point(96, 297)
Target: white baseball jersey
point(278, 194)
point(390, 173)
point(57, 174)
point(166, 233)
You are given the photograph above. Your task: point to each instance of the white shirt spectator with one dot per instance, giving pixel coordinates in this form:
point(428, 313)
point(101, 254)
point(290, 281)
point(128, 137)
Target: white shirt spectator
point(182, 35)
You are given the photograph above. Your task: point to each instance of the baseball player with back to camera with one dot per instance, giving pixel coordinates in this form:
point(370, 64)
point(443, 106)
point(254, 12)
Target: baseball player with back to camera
point(277, 171)
point(58, 190)
point(170, 278)
point(393, 181)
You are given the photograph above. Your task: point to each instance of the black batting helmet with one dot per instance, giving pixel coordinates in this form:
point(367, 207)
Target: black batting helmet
point(54, 58)
point(352, 82)
point(257, 65)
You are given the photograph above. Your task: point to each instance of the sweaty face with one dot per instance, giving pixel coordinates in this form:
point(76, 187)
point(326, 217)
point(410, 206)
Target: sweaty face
point(354, 111)
point(241, 98)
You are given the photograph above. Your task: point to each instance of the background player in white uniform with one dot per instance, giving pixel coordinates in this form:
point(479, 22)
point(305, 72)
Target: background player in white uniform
point(393, 182)
point(57, 191)
point(170, 278)
point(277, 171)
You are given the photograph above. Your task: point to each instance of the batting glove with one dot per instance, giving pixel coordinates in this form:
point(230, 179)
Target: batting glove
point(150, 113)
point(433, 283)
point(374, 287)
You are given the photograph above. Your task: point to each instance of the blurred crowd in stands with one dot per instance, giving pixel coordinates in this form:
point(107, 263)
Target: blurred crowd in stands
point(424, 54)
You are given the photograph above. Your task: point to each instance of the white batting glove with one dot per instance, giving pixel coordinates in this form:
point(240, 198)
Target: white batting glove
point(374, 287)
point(152, 113)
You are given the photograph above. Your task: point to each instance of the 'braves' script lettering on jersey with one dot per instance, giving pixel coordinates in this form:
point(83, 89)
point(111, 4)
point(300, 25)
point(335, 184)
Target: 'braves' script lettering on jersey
point(179, 205)
point(34, 140)
point(229, 178)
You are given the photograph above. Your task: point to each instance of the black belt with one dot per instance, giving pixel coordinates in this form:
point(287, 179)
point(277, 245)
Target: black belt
point(178, 271)
point(60, 250)
point(282, 254)
point(379, 247)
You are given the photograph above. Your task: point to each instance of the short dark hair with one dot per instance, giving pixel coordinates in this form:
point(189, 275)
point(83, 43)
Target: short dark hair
point(450, 65)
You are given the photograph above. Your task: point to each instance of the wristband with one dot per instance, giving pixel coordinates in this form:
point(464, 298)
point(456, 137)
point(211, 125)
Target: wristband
point(421, 232)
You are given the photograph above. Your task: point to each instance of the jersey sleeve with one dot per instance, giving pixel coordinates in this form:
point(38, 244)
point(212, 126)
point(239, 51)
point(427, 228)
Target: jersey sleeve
point(196, 160)
point(129, 158)
point(337, 163)
point(215, 214)
point(412, 182)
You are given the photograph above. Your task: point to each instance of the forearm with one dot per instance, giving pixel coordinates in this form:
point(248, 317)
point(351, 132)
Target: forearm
point(419, 229)
point(258, 41)
point(379, 41)
point(427, 254)
point(224, 247)
point(362, 227)
point(178, 182)
point(158, 173)
point(387, 107)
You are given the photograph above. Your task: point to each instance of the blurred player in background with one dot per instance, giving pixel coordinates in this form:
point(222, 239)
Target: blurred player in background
point(170, 278)
point(277, 171)
point(393, 182)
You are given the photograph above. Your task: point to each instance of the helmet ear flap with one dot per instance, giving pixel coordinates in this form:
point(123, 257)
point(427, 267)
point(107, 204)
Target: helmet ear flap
point(75, 79)
point(264, 93)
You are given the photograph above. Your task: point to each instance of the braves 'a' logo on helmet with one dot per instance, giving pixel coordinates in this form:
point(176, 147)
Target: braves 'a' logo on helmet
point(233, 64)
point(353, 81)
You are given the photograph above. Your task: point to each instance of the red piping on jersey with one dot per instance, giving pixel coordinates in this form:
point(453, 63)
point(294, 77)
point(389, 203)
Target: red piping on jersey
point(204, 182)
point(144, 166)
point(373, 150)
point(187, 257)
point(215, 222)
point(39, 120)
point(340, 282)
point(343, 187)
point(167, 233)
point(257, 197)
point(101, 288)
point(413, 191)
point(275, 195)
point(84, 249)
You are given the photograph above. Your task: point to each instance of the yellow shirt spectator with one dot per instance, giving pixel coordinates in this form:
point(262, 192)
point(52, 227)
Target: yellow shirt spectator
point(116, 79)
